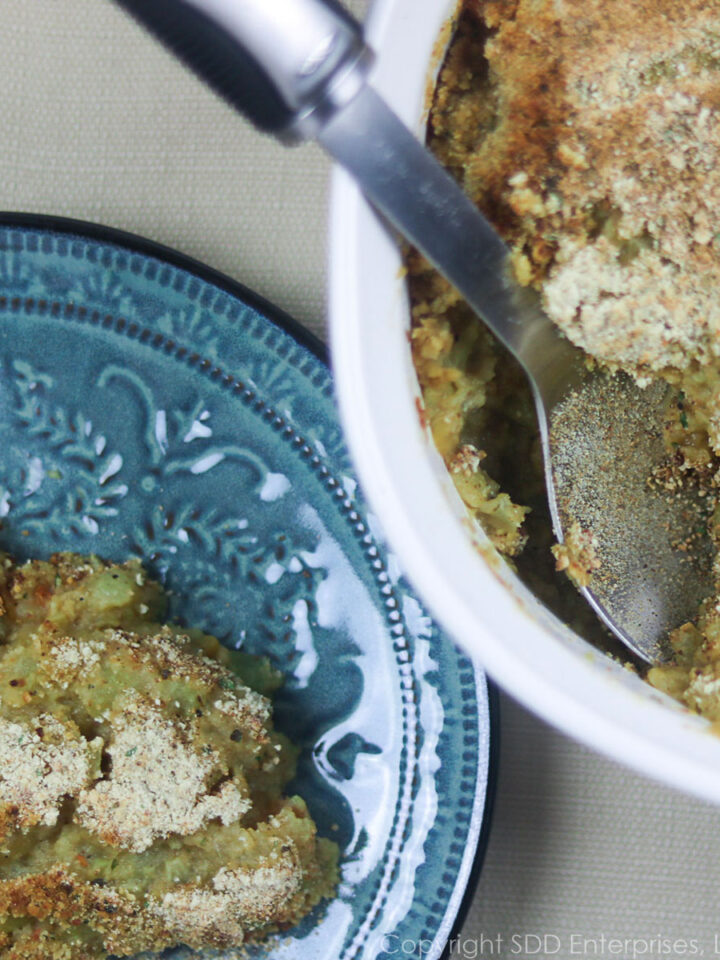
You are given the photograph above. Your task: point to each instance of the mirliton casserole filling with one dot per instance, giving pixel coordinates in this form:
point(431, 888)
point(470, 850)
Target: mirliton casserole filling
point(141, 782)
point(588, 131)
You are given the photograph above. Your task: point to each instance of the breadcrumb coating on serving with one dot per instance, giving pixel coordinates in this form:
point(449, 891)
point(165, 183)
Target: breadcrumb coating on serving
point(141, 783)
point(41, 763)
point(602, 169)
point(159, 781)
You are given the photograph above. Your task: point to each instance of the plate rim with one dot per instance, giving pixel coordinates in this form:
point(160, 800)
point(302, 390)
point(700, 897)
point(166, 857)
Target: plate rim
point(144, 246)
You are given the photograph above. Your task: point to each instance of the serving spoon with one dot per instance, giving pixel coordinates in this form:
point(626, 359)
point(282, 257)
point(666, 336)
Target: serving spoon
point(299, 69)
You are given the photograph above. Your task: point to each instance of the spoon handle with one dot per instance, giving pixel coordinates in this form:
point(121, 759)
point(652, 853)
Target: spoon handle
point(288, 65)
point(298, 67)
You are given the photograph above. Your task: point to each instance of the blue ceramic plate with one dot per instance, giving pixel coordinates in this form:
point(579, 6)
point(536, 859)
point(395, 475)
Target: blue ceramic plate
point(153, 408)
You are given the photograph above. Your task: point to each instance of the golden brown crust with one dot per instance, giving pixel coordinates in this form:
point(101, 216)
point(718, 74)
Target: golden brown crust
point(56, 897)
point(601, 165)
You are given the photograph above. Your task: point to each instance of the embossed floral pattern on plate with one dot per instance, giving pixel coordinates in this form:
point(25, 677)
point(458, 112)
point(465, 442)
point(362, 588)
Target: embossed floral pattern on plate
point(152, 408)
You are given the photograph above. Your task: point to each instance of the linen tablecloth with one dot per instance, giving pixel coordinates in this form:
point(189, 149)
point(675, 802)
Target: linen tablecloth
point(98, 122)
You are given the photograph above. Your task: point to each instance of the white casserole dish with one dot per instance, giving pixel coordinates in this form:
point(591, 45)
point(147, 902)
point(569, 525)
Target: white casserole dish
point(470, 591)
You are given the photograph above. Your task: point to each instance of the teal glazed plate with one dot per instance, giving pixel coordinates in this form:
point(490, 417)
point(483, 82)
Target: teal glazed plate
point(151, 407)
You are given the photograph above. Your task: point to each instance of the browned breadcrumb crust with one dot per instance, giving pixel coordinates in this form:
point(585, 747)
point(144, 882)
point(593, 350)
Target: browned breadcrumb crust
point(600, 167)
point(590, 135)
point(141, 780)
point(577, 556)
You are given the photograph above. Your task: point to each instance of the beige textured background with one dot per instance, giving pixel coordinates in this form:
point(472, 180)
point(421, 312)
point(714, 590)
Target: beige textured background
point(97, 122)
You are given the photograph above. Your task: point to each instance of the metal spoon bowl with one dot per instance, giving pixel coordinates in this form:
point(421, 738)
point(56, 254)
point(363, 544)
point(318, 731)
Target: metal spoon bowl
point(654, 557)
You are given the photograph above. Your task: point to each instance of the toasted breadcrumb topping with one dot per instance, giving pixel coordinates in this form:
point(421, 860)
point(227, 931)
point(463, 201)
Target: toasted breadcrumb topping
point(577, 556)
point(237, 900)
point(159, 783)
point(141, 780)
point(68, 658)
point(40, 764)
point(603, 170)
point(467, 460)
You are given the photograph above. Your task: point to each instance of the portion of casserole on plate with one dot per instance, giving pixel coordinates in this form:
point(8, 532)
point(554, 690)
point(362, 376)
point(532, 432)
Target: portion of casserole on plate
point(589, 133)
point(141, 783)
